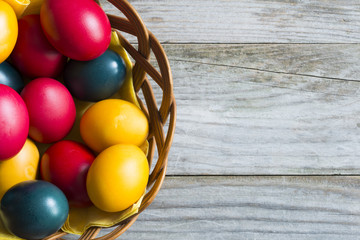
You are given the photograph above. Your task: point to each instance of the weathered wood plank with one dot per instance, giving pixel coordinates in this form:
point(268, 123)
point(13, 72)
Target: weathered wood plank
point(195, 208)
point(250, 21)
point(339, 61)
point(266, 109)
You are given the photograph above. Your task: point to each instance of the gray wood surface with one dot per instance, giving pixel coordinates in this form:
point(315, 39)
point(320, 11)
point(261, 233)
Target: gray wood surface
point(193, 208)
point(250, 21)
point(267, 94)
point(266, 109)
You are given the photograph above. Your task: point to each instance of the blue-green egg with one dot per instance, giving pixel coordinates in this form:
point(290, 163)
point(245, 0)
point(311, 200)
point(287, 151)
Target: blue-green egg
point(9, 76)
point(34, 209)
point(96, 79)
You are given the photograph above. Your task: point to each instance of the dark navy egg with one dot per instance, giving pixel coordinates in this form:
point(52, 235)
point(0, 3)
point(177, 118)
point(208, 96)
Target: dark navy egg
point(34, 209)
point(10, 77)
point(96, 79)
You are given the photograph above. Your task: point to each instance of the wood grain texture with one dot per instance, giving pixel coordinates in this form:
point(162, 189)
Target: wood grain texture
point(248, 104)
point(266, 109)
point(250, 21)
point(338, 61)
point(281, 208)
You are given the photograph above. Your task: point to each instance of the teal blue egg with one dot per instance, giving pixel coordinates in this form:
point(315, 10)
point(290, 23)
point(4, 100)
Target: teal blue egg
point(34, 209)
point(9, 76)
point(96, 79)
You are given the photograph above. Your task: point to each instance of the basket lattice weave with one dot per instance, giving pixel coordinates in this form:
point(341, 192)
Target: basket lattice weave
point(158, 116)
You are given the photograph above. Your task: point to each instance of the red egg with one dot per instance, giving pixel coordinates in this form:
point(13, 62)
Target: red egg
point(78, 29)
point(66, 164)
point(51, 109)
point(33, 55)
point(14, 122)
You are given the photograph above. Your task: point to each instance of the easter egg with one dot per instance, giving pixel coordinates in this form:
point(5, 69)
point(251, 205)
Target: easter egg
point(113, 121)
point(96, 79)
point(9, 30)
point(33, 55)
point(9, 76)
point(18, 6)
point(14, 122)
point(22, 167)
point(34, 209)
point(118, 177)
point(78, 29)
point(51, 109)
point(66, 164)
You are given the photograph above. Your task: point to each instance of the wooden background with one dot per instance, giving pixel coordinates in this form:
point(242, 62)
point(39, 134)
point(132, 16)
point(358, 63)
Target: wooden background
point(268, 129)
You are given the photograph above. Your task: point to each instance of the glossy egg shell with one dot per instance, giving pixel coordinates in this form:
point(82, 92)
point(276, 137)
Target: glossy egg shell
point(22, 167)
point(51, 109)
point(66, 164)
point(113, 121)
point(9, 76)
point(14, 122)
point(78, 29)
point(33, 55)
point(34, 209)
point(96, 79)
point(9, 30)
point(118, 177)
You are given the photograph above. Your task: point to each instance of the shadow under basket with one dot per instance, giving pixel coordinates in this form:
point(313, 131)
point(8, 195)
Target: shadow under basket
point(161, 118)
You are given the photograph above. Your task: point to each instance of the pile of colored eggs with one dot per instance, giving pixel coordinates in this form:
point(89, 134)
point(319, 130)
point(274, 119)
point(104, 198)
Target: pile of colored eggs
point(67, 41)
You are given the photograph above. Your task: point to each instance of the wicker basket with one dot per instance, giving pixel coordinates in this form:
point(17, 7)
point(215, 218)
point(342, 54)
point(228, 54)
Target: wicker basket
point(158, 117)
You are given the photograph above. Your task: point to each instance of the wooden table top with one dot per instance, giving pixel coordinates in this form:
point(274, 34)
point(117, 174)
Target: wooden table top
point(267, 144)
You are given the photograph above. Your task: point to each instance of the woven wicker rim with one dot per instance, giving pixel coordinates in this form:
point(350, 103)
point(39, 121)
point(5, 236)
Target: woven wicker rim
point(157, 117)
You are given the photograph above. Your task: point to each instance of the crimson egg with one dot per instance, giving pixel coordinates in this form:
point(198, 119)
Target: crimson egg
point(33, 55)
point(66, 164)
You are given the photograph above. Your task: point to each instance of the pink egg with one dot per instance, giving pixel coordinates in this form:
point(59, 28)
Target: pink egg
point(78, 29)
point(51, 109)
point(14, 122)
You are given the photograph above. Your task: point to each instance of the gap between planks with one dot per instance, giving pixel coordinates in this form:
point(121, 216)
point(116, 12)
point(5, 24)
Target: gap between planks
point(263, 70)
point(164, 43)
point(262, 175)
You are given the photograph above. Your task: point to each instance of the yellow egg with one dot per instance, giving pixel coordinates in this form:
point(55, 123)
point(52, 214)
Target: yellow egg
point(19, 6)
point(22, 167)
point(113, 121)
point(9, 30)
point(117, 178)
